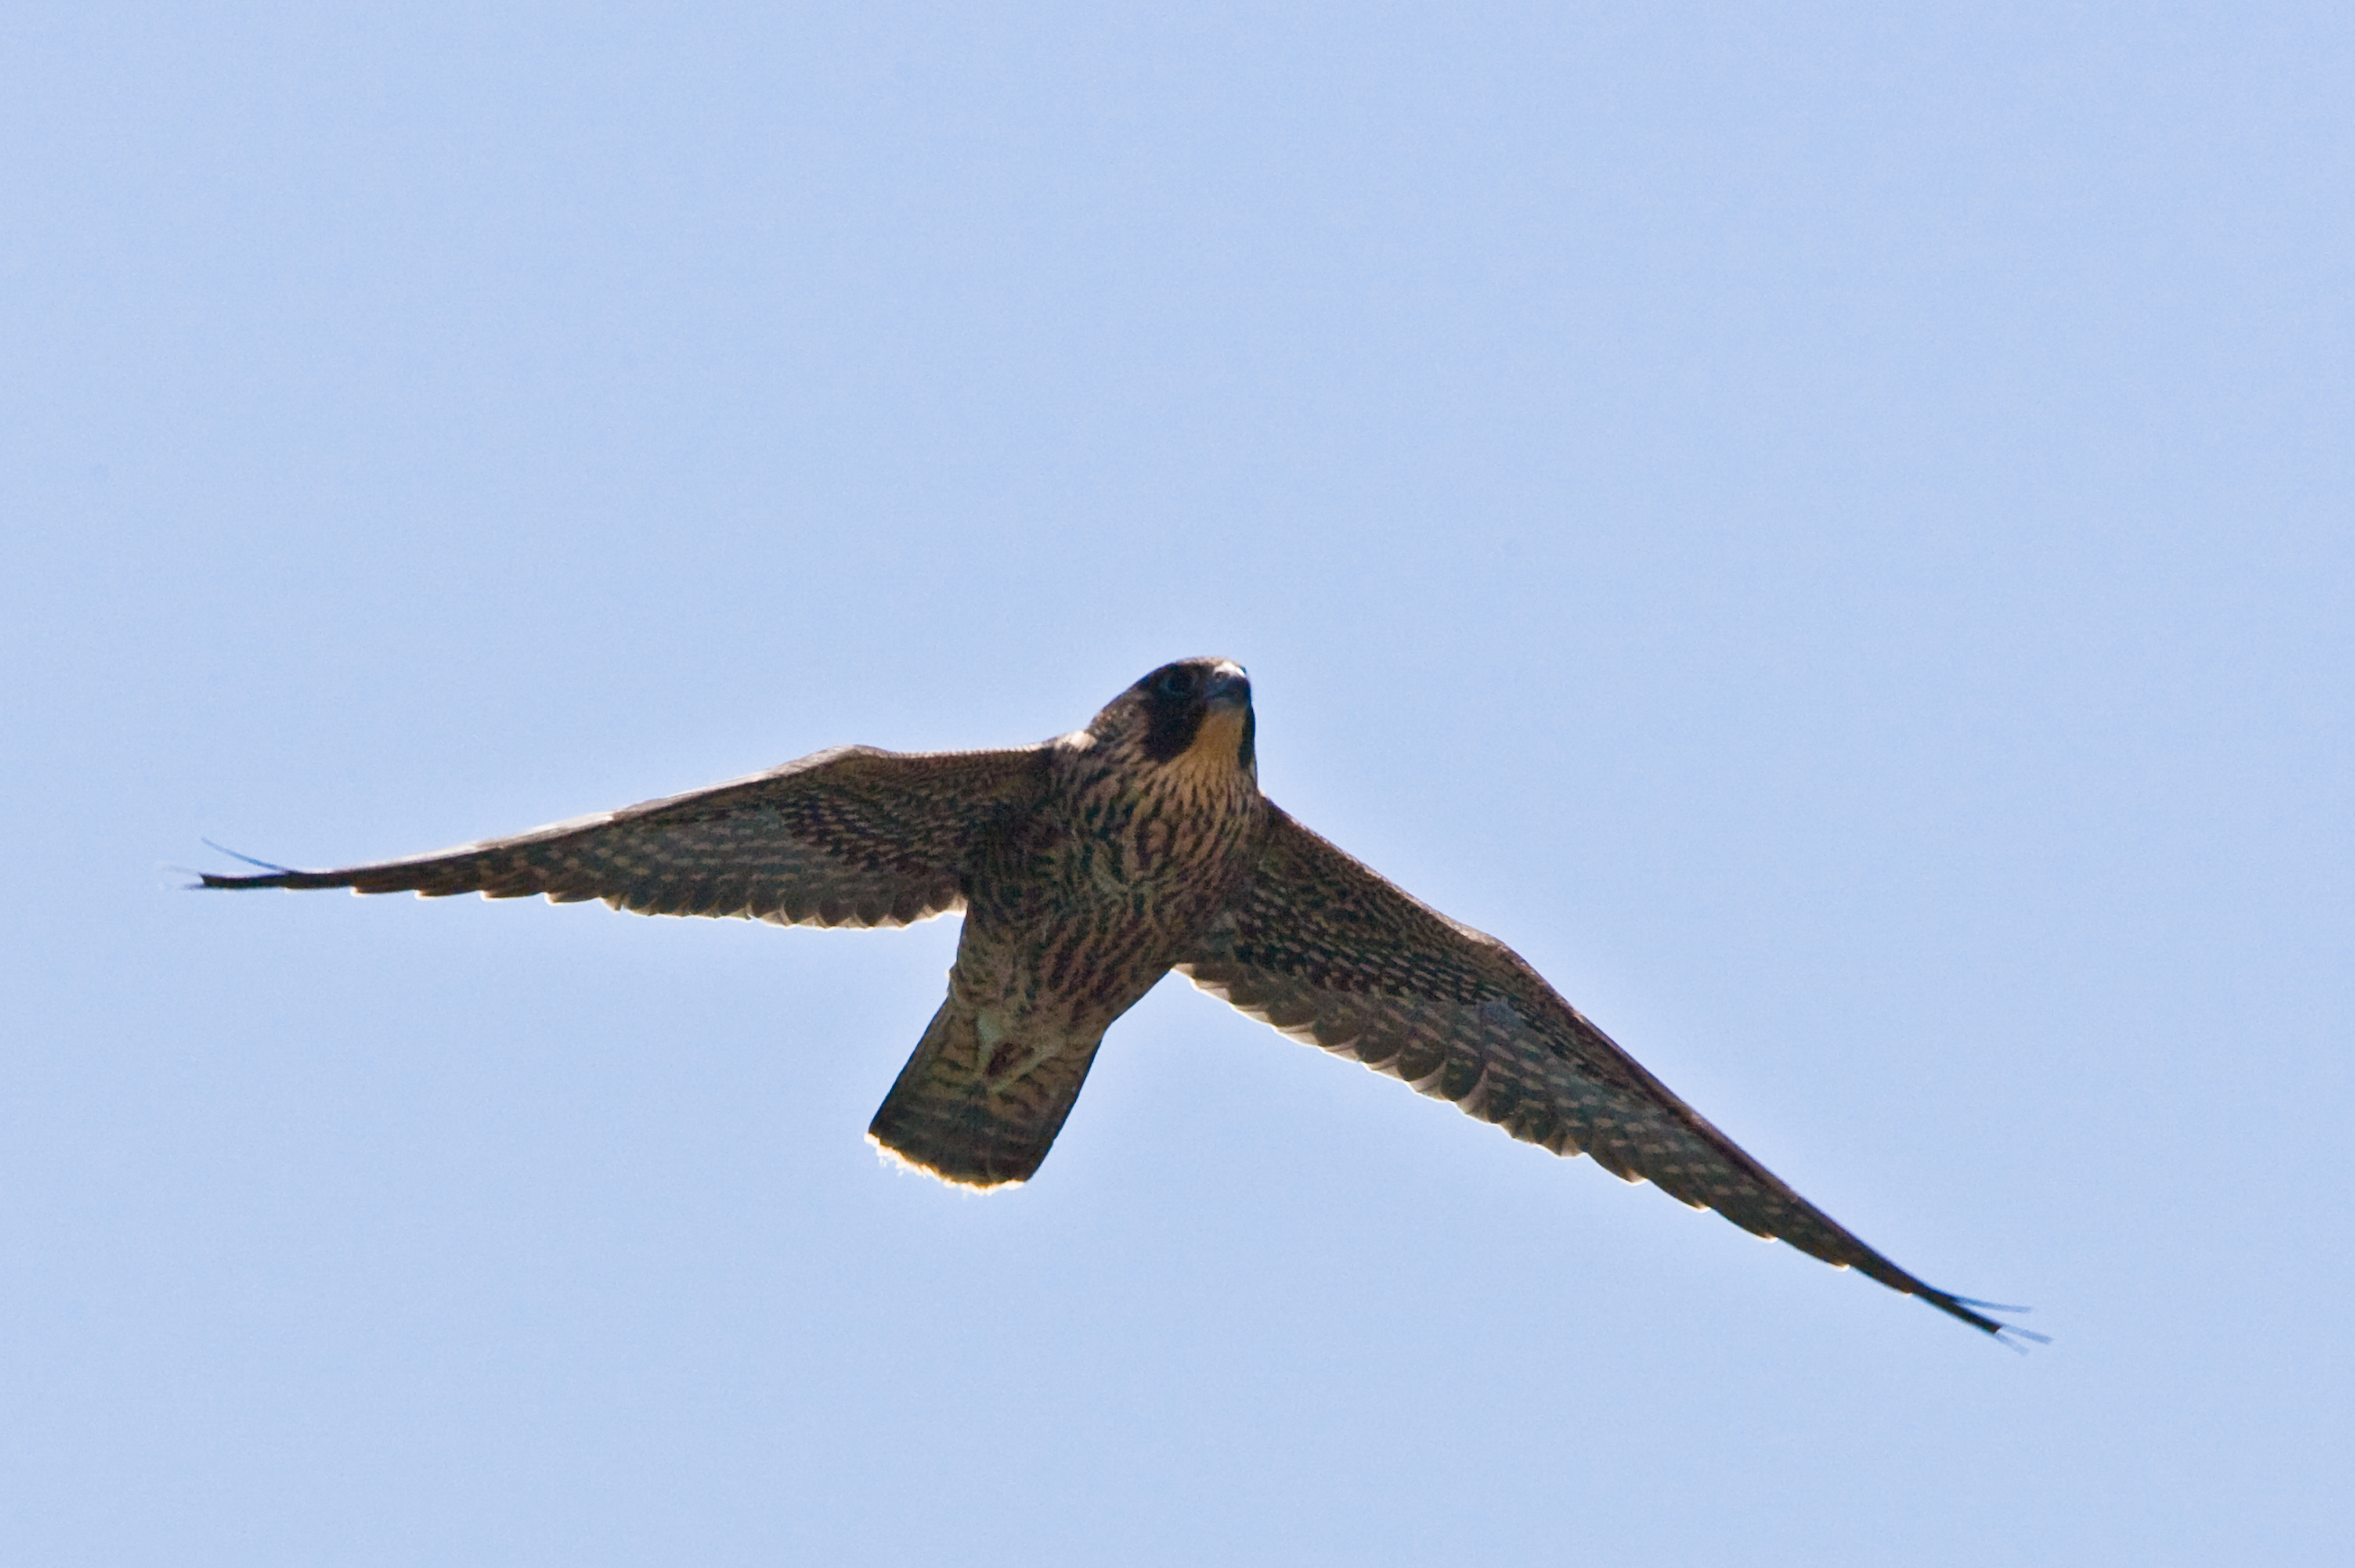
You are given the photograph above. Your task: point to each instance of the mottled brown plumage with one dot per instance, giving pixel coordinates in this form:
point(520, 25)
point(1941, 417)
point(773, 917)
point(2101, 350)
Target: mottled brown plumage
point(1087, 868)
point(1143, 830)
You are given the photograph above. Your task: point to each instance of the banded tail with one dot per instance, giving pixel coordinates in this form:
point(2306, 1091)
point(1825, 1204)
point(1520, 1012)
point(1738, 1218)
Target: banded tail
point(976, 1114)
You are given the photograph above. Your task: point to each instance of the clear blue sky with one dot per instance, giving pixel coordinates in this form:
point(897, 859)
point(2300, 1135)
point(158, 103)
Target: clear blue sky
point(1828, 529)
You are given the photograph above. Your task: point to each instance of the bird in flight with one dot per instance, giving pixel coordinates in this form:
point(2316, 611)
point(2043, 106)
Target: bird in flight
point(1087, 867)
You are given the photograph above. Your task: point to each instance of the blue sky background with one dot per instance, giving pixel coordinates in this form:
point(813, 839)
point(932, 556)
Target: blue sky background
point(1827, 529)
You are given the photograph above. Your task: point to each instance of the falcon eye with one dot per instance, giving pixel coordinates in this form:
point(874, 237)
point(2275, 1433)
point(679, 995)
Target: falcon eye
point(1177, 684)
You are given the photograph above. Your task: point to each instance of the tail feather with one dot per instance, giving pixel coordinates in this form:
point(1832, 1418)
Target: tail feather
point(980, 1115)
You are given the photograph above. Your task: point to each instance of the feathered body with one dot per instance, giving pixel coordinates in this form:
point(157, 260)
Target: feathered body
point(1148, 820)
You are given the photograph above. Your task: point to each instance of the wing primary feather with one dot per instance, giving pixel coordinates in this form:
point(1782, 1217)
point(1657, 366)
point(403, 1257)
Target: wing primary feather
point(234, 854)
point(1326, 949)
point(851, 836)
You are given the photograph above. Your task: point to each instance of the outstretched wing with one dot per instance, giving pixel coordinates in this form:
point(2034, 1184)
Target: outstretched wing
point(848, 837)
point(1325, 949)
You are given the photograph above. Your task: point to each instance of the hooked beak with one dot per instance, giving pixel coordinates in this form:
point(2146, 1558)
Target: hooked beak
point(1227, 688)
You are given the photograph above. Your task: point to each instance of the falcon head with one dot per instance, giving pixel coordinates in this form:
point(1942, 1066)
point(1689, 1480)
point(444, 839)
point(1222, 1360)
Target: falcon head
point(1195, 714)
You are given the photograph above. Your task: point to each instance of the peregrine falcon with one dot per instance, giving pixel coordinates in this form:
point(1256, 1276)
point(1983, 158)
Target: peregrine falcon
point(1087, 867)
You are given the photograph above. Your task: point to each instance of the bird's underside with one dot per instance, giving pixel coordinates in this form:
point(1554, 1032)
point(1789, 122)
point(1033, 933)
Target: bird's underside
point(1088, 867)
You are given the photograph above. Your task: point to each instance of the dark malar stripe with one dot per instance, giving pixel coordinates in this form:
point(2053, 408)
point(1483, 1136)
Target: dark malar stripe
point(1171, 727)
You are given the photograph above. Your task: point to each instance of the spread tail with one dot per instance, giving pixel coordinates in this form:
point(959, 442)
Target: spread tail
point(978, 1109)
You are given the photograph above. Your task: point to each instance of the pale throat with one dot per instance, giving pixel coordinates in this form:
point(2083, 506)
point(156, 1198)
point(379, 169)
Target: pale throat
point(1211, 763)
